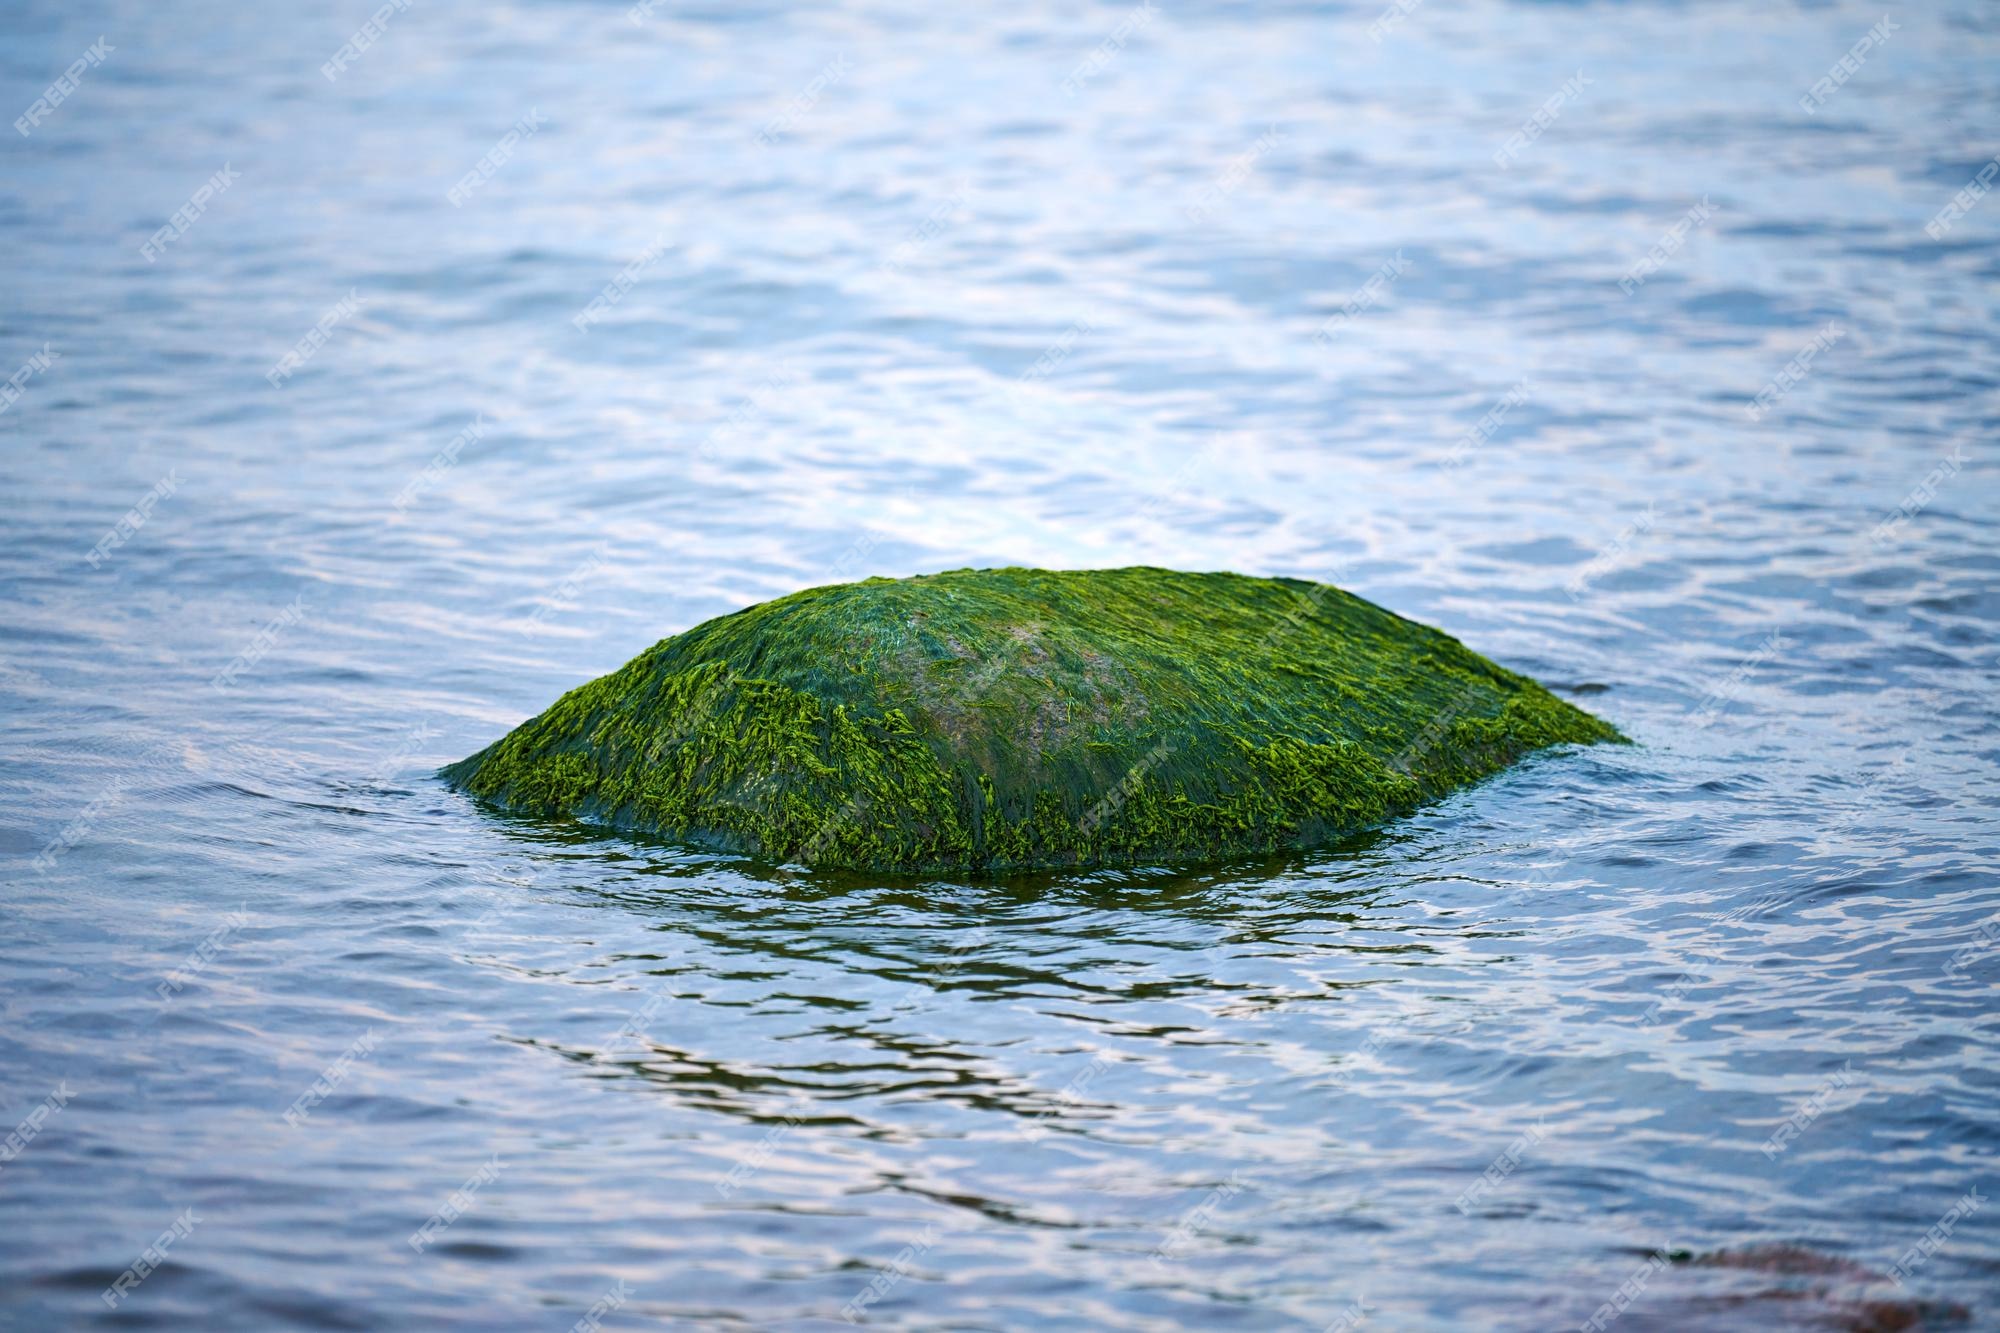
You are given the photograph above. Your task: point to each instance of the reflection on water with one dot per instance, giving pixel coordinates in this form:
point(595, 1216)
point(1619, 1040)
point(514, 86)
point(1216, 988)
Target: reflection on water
point(1691, 1033)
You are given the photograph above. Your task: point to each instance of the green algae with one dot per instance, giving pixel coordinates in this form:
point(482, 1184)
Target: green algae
point(1011, 719)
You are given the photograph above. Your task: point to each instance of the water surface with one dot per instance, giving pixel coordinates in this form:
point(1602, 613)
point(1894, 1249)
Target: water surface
point(900, 289)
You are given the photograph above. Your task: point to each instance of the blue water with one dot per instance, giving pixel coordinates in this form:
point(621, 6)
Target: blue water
point(896, 299)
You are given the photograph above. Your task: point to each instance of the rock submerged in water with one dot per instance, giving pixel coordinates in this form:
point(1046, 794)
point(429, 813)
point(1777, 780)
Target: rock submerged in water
point(1012, 719)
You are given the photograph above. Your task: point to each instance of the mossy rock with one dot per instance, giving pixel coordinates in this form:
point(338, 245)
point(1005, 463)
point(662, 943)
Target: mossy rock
point(1006, 719)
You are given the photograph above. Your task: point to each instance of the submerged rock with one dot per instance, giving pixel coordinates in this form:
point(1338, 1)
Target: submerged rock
point(1003, 719)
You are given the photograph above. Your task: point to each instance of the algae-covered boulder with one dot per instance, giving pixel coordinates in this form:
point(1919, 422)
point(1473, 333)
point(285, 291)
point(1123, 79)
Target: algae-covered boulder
point(1005, 719)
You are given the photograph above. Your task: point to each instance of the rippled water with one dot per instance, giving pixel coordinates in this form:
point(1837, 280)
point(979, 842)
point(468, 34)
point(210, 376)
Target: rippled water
point(1213, 286)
